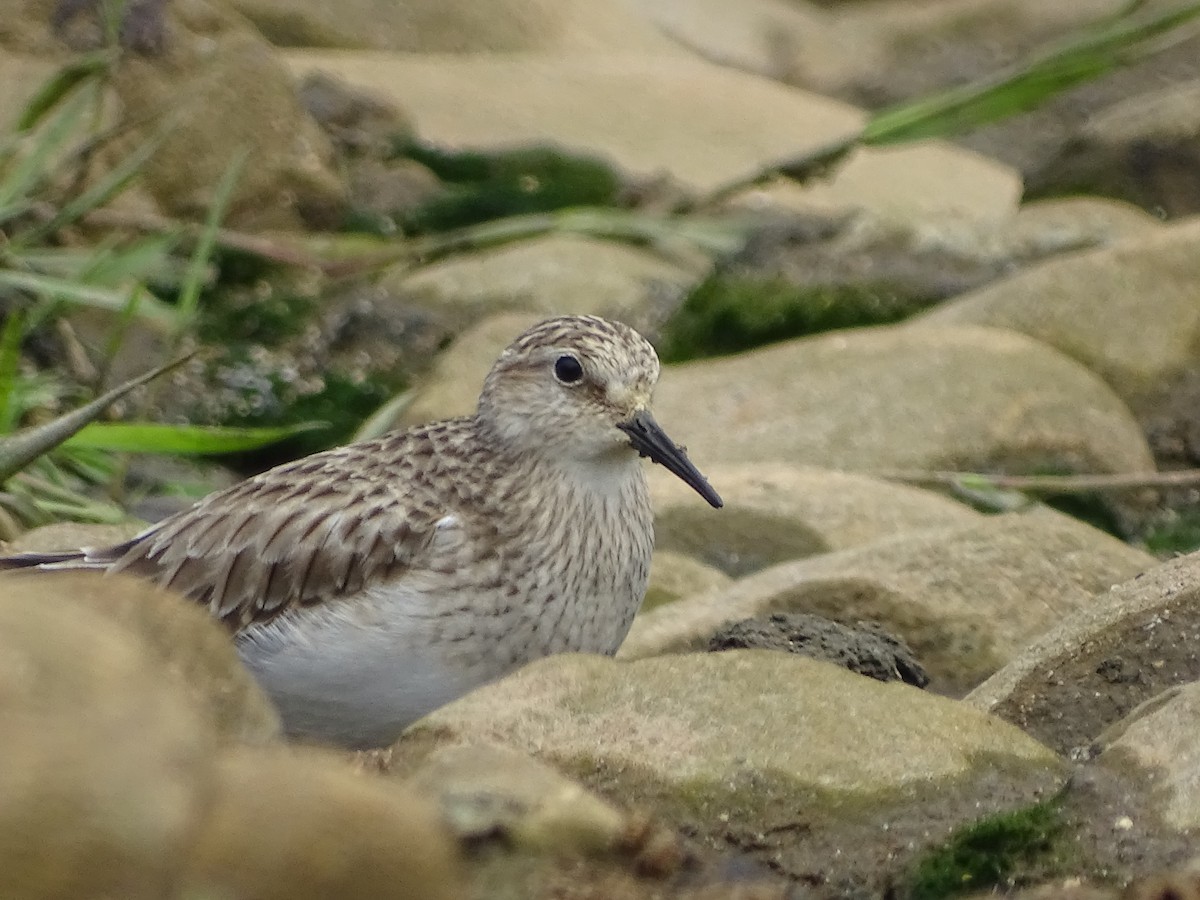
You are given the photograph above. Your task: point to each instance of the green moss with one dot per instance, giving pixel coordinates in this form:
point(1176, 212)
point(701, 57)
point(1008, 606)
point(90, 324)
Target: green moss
point(254, 317)
point(1181, 534)
point(484, 186)
point(988, 853)
point(730, 313)
point(261, 390)
point(341, 402)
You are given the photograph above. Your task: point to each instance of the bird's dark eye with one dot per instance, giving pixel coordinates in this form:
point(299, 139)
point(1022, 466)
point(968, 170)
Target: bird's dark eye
point(568, 369)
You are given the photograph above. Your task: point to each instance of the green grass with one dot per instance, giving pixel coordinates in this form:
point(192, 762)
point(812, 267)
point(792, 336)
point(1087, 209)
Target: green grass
point(63, 466)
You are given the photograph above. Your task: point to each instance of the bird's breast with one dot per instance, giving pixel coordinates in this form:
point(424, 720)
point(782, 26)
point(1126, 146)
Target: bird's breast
point(579, 573)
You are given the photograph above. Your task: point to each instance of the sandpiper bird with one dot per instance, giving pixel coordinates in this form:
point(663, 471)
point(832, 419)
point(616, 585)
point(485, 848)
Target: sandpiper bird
point(372, 583)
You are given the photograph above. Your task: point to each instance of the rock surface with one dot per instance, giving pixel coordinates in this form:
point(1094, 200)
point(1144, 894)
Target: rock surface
point(1123, 648)
point(1142, 148)
point(865, 649)
point(299, 825)
point(966, 599)
point(488, 792)
point(225, 93)
point(551, 275)
point(191, 651)
point(1160, 736)
point(704, 124)
point(115, 783)
point(1083, 304)
point(674, 576)
point(754, 740)
point(775, 512)
point(903, 397)
point(105, 763)
point(457, 26)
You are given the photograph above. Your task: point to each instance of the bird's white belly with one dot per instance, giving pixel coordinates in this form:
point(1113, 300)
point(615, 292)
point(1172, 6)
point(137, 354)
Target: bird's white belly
point(357, 672)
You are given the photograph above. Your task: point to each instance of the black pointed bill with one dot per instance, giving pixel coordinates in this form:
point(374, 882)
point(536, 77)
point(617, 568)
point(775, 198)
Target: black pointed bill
point(649, 440)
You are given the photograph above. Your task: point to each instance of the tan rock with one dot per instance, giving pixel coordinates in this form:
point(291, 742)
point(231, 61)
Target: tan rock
point(838, 48)
point(71, 536)
point(1160, 737)
point(700, 717)
point(966, 599)
point(775, 512)
point(727, 741)
point(1083, 304)
point(1123, 648)
point(488, 791)
point(295, 825)
point(703, 124)
point(797, 43)
point(223, 90)
point(1144, 148)
point(457, 26)
point(674, 576)
point(187, 650)
point(452, 387)
point(552, 275)
point(104, 763)
point(1044, 227)
point(901, 398)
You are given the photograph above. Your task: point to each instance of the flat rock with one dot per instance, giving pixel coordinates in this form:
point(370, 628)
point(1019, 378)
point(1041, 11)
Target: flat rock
point(757, 740)
point(457, 26)
point(1160, 736)
point(1083, 304)
point(675, 576)
point(1043, 227)
point(190, 651)
point(1141, 147)
point(71, 536)
point(965, 599)
point(775, 512)
point(302, 825)
point(489, 792)
point(902, 397)
point(552, 275)
point(896, 50)
point(452, 386)
point(1124, 647)
point(703, 124)
point(105, 763)
point(228, 94)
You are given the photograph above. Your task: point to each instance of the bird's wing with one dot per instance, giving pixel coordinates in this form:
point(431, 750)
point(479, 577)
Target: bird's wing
point(301, 534)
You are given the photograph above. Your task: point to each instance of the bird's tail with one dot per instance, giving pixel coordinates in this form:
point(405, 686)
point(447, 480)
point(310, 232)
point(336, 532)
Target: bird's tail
point(67, 559)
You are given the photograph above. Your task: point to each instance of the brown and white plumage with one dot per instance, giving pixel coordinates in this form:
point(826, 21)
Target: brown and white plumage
point(368, 584)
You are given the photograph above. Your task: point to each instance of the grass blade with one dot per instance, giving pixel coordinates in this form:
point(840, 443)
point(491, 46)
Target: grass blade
point(193, 279)
point(113, 300)
point(61, 83)
point(10, 358)
point(113, 182)
point(1102, 48)
point(152, 437)
point(29, 170)
point(20, 449)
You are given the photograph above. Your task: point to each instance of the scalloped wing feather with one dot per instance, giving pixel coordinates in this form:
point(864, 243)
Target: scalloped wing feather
point(323, 527)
